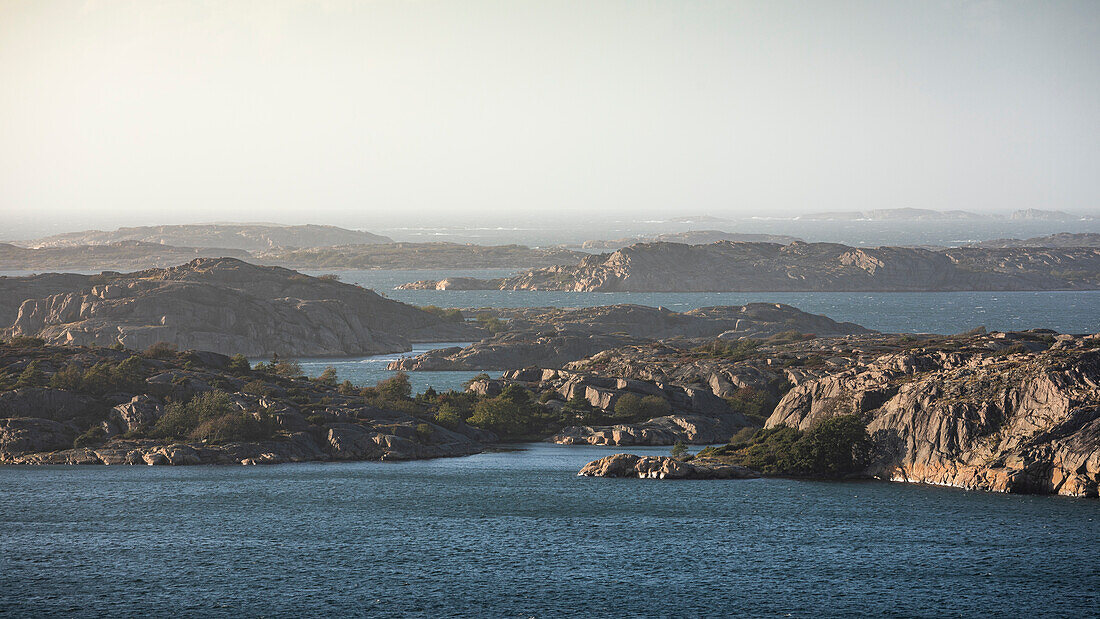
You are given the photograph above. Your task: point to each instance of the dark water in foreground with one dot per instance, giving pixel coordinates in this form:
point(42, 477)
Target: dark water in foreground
point(518, 534)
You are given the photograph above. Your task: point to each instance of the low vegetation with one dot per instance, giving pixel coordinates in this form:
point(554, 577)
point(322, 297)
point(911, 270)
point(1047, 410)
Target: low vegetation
point(835, 447)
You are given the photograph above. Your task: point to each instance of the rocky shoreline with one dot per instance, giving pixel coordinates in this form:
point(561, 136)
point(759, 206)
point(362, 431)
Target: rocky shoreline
point(661, 467)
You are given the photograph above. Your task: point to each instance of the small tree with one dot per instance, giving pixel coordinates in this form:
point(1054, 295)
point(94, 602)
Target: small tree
point(239, 365)
point(395, 388)
point(328, 377)
point(161, 350)
point(679, 450)
point(287, 368)
point(32, 376)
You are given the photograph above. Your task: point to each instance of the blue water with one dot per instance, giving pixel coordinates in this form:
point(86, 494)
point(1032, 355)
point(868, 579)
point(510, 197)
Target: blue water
point(894, 312)
point(518, 534)
point(366, 371)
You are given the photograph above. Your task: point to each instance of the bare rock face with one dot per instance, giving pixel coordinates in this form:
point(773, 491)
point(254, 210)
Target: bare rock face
point(228, 306)
point(666, 430)
point(747, 267)
point(21, 434)
point(1028, 421)
point(46, 403)
point(141, 411)
point(660, 467)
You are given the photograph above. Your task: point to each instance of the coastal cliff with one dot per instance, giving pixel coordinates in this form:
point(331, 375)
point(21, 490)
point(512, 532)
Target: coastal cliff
point(1024, 420)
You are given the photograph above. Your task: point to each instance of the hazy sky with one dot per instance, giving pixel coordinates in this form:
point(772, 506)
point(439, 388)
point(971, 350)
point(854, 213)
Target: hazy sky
point(357, 113)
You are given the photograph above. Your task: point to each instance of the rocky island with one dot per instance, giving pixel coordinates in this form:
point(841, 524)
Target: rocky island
point(222, 305)
point(298, 247)
point(803, 267)
point(550, 337)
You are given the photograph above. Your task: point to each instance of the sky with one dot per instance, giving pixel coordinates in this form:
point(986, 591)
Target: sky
point(372, 113)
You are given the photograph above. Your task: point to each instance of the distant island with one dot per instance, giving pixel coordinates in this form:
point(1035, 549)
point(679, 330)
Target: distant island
point(298, 247)
point(921, 214)
point(1062, 239)
point(248, 237)
point(770, 267)
point(692, 237)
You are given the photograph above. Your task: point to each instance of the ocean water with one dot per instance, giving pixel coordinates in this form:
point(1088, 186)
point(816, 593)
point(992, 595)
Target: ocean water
point(894, 312)
point(518, 534)
point(366, 371)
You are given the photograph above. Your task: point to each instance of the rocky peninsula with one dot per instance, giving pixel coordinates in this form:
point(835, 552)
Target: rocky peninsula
point(805, 267)
point(79, 405)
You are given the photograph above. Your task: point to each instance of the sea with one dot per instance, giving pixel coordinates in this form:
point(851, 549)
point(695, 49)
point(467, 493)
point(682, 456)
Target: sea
point(892, 312)
point(519, 534)
point(516, 533)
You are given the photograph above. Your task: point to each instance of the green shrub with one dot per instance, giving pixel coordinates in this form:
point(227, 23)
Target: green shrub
point(32, 375)
point(233, 426)
point(317, 420)
point(103, 377)
point(448, 314)
point(346, 388)
point(328, 377)
point(491, 323)
point(93, 437)
point(500, 416)
point(787, 337)
point(238, 365)
point(630, 407)
point(395, 388)
point(25, 341)
point(833, 448)
point(287, 368)
point(329, 277)
point(424, 431)
point(447, 416)
point(161, 350)
point(679, 450)
point(210, 416)
point(1014, 349)
point(756, 405)
point(743, 436)
point(736, 350)
point(69, 378)
point(257, 387)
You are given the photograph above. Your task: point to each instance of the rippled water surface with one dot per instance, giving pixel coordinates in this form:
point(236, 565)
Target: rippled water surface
point(371, 369)
point(518, 534)
point(894, 312)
